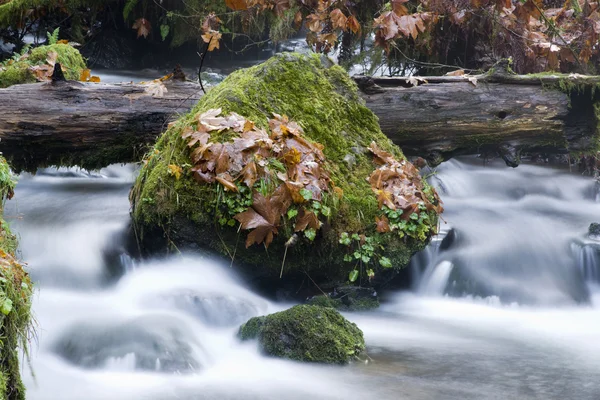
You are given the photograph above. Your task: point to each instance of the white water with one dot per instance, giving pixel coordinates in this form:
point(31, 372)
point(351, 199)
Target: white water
point(524, 321)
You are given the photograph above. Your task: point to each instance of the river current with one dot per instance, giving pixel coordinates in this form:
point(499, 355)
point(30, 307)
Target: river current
point(505, 306)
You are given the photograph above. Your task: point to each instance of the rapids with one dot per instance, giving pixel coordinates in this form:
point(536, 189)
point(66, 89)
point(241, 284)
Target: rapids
point(504, 305)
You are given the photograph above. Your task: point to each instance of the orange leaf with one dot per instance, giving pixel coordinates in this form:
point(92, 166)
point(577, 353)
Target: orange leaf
point(227, 183)
point(85, 75)
point(399, 8)
point(143, 27)
point(338, 19)
point(383, 224)
point(353, 24)
point(213, 39)
point(236, 5)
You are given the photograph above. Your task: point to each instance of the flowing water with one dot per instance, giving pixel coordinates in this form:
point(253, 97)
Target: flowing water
point(504, 305)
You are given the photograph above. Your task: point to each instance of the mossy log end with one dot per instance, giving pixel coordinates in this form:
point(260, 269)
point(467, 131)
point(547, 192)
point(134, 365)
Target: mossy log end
point(86, 124)
point(498, 112)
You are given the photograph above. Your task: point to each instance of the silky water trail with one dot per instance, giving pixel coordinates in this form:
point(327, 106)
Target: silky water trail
point(504, 305)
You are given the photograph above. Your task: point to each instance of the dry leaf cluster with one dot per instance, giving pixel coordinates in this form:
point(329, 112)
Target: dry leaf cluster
point(281, 159)
point(398, 186)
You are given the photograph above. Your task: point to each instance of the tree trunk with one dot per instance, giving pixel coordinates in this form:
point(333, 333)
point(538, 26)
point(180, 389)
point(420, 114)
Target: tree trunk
point(93, 125)
point(86, 124)
point(506, 114)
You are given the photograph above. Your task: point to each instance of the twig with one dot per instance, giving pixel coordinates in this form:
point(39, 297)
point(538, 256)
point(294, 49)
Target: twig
point(202, 56)
point(311, 279)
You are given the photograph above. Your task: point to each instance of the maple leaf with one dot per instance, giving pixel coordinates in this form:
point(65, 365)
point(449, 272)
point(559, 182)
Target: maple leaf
point(262, 218)
point(313, 22)
point(211, 23)
point(175, 170)
point(236, 5)
point(307, 219)
point(213, 38)
point(250, 174)
point(399, 8)
point(156, 89)
point(381, 157)
point(143, 27)
point(383, 224)
point(385, 198)
point(353, 24)
point(226, 181)
point(281, 6)
point(338, 19)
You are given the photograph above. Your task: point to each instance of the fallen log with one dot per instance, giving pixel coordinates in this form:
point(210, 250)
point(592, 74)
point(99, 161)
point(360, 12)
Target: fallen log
point(86, 124)
point(93, 125)
point(440, 117)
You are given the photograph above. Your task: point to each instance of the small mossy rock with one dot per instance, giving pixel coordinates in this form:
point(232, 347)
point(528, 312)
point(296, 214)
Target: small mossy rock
point(17, 72)
point(306, 333)
point(348, 298)
point(178, 211)
point(594, 231)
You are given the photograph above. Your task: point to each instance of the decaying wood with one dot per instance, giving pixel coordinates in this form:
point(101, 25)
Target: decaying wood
point(86, 124)
point(503, 113)
point(93, 125)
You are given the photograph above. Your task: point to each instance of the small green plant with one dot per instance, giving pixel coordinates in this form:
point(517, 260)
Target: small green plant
point(417, 226)
point(53, 37)
point(363, 252)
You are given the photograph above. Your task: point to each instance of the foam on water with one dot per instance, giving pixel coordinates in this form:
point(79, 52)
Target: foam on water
point(505, 307)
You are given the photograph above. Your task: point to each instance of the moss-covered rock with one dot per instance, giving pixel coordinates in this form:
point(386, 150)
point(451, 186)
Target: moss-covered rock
point(325, 102)
point(18, 69)
point(306, 333)
point(15, 302)
point(348, 298)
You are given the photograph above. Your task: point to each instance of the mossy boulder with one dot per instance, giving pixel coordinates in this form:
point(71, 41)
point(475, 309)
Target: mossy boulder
point(594, 231)
point(348, 298)
point(172, 208)
point(18, 69)
point(15, 302)
point(306, 333)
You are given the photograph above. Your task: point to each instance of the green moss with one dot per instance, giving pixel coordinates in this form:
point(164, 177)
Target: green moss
point(307, 333)
point(17, 70)
point(350, 298)
point(251, 329)
point(325, 102)
point(15, 303)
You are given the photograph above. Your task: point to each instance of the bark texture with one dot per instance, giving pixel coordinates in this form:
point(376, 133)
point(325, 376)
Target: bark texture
point(86, 124)
point(502, 113)
point(93, 125)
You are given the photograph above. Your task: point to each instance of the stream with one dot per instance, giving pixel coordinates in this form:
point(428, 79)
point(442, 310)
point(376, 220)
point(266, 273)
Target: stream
point(504, 305)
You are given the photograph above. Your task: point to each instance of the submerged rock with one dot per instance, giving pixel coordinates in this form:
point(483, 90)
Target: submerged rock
point(348, 298)
point(215, 309)
point(594, 231)
point(146, 343)
point(176, 203)
point(306, 333)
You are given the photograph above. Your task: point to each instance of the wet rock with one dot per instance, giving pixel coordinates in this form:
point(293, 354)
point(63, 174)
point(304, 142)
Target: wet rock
point(348, 298)
point(193, 215)
point(211, 308)
point(306, 333)
point(594, 231)
point(147, 343)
